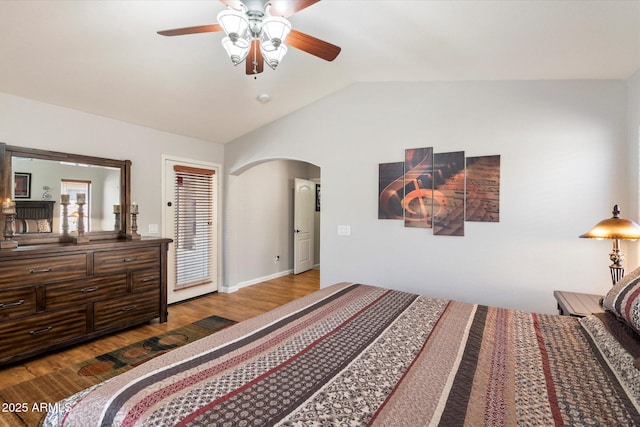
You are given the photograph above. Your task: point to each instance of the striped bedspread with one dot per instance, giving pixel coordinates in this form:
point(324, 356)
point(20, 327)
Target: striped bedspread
point(361, 355)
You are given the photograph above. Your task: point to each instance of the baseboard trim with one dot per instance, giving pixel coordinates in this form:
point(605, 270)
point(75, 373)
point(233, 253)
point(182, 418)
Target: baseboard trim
point(231, 289)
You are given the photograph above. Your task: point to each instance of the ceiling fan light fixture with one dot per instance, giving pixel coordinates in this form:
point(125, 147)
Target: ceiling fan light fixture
point(234, 23)
point(237, 50)
point(275, 29)
point(274, 32)
point(273, 54)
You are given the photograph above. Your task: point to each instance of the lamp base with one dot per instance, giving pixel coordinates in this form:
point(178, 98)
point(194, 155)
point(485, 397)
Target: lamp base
point(617, 273)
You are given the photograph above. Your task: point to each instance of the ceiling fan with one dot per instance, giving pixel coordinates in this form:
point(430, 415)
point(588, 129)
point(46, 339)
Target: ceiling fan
point(257, 31)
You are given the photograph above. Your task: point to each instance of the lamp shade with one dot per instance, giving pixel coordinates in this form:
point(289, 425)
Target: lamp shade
point(237, 50)
point(614, 228)
point(273, 54)
point(275, 29)
point(234, 23)
point(274, 32)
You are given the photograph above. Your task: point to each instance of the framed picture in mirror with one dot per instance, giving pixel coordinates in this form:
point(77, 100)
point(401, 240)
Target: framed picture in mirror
point(22, 185)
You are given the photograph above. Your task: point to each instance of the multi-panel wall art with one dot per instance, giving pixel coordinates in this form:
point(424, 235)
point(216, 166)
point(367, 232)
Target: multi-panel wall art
point(448, 194)
point(483, 189)
point(418, 186)
point(391, 190)
point(440, 190)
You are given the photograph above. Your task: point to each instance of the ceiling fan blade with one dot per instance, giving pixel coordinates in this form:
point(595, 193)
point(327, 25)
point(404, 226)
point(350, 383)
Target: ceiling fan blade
point(211, 28)
point(254, 61)
point(286, 8)
point(312, 45)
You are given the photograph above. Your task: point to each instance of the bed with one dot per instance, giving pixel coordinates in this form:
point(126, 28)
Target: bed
point(33, 216)
point(353, 354)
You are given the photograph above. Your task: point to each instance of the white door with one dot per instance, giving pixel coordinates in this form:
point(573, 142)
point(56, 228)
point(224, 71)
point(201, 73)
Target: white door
point(303, 233)
point(190, 219)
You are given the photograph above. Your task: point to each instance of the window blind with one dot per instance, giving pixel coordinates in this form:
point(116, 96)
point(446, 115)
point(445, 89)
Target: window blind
point(194, 226)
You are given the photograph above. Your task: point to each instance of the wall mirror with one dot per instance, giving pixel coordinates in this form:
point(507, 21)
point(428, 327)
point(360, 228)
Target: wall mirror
point(35, 179)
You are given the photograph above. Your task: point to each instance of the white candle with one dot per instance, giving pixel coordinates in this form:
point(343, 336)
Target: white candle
point(64, 199)
point(134, 208)
point(8, 207)
point(80, 198)
point(116, 209)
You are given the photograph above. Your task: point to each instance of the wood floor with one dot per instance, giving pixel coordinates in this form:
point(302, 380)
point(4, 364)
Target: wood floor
point(243, 304)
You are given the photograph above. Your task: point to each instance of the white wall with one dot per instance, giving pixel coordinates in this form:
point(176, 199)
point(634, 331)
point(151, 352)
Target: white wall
point(34, 124)
point(633, 159)
point(260, 201)
point(563, 146)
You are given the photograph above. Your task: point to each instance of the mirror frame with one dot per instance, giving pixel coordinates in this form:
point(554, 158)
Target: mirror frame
point(7, 152)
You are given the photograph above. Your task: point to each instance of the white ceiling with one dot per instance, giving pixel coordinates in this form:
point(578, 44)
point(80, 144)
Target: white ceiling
point(105, 58)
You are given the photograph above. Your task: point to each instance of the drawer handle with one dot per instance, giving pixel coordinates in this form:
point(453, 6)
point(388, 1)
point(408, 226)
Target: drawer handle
point(44, 270)
point(87, 290)
point(133, 258)
point(148, 279)
point(12, 304)
point(41, 331)
point(130, 308)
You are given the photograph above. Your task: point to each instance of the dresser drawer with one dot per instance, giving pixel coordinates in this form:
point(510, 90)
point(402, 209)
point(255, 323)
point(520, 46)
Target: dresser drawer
point(146, 280)
point(17, 302)
point(126, 260)
point(84, 291)
point(41, 330)
point(32, 271)
point(127, 310)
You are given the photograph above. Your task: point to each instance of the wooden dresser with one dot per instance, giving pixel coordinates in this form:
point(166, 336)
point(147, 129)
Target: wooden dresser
point(59, 294)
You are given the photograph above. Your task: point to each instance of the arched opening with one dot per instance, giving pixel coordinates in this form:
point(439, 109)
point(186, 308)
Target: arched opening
point(260, 220)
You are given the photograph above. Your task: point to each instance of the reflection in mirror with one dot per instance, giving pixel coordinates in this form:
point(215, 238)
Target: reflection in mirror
point(34, 180)
point(51, 178)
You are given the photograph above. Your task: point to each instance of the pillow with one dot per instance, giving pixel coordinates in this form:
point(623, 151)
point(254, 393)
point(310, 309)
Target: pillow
point(620, 335)
point(19, 226)
point(623, 299)
point(44, 226)
point(36, 226)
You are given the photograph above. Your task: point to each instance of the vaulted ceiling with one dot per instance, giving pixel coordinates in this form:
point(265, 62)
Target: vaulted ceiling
point(105, 57)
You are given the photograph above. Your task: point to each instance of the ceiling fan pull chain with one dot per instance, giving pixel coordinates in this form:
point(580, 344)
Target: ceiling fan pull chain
point(255, 61)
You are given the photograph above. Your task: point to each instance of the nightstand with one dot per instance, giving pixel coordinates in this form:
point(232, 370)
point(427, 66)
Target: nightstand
point(577, 304)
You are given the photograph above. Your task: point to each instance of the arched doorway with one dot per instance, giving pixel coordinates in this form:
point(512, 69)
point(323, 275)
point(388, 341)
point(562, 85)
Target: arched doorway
point(260, 220)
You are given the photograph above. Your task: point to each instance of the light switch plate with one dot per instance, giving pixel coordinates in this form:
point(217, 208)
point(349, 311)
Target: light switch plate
point(344, 230)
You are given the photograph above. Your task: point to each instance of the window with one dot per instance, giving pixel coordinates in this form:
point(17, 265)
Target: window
point(194, 226)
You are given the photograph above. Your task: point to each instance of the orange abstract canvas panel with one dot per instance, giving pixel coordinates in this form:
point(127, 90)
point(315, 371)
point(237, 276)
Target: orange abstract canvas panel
point(483, 189)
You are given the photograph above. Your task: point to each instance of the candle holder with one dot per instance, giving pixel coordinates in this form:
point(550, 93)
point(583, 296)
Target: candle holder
point(116, 214)
point(134, 225)
point(116, 225)
point(8, 242)
point(80, 238)
point(64, 202)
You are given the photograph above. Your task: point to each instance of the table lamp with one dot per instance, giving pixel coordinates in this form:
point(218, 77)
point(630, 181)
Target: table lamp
point(616, 229)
